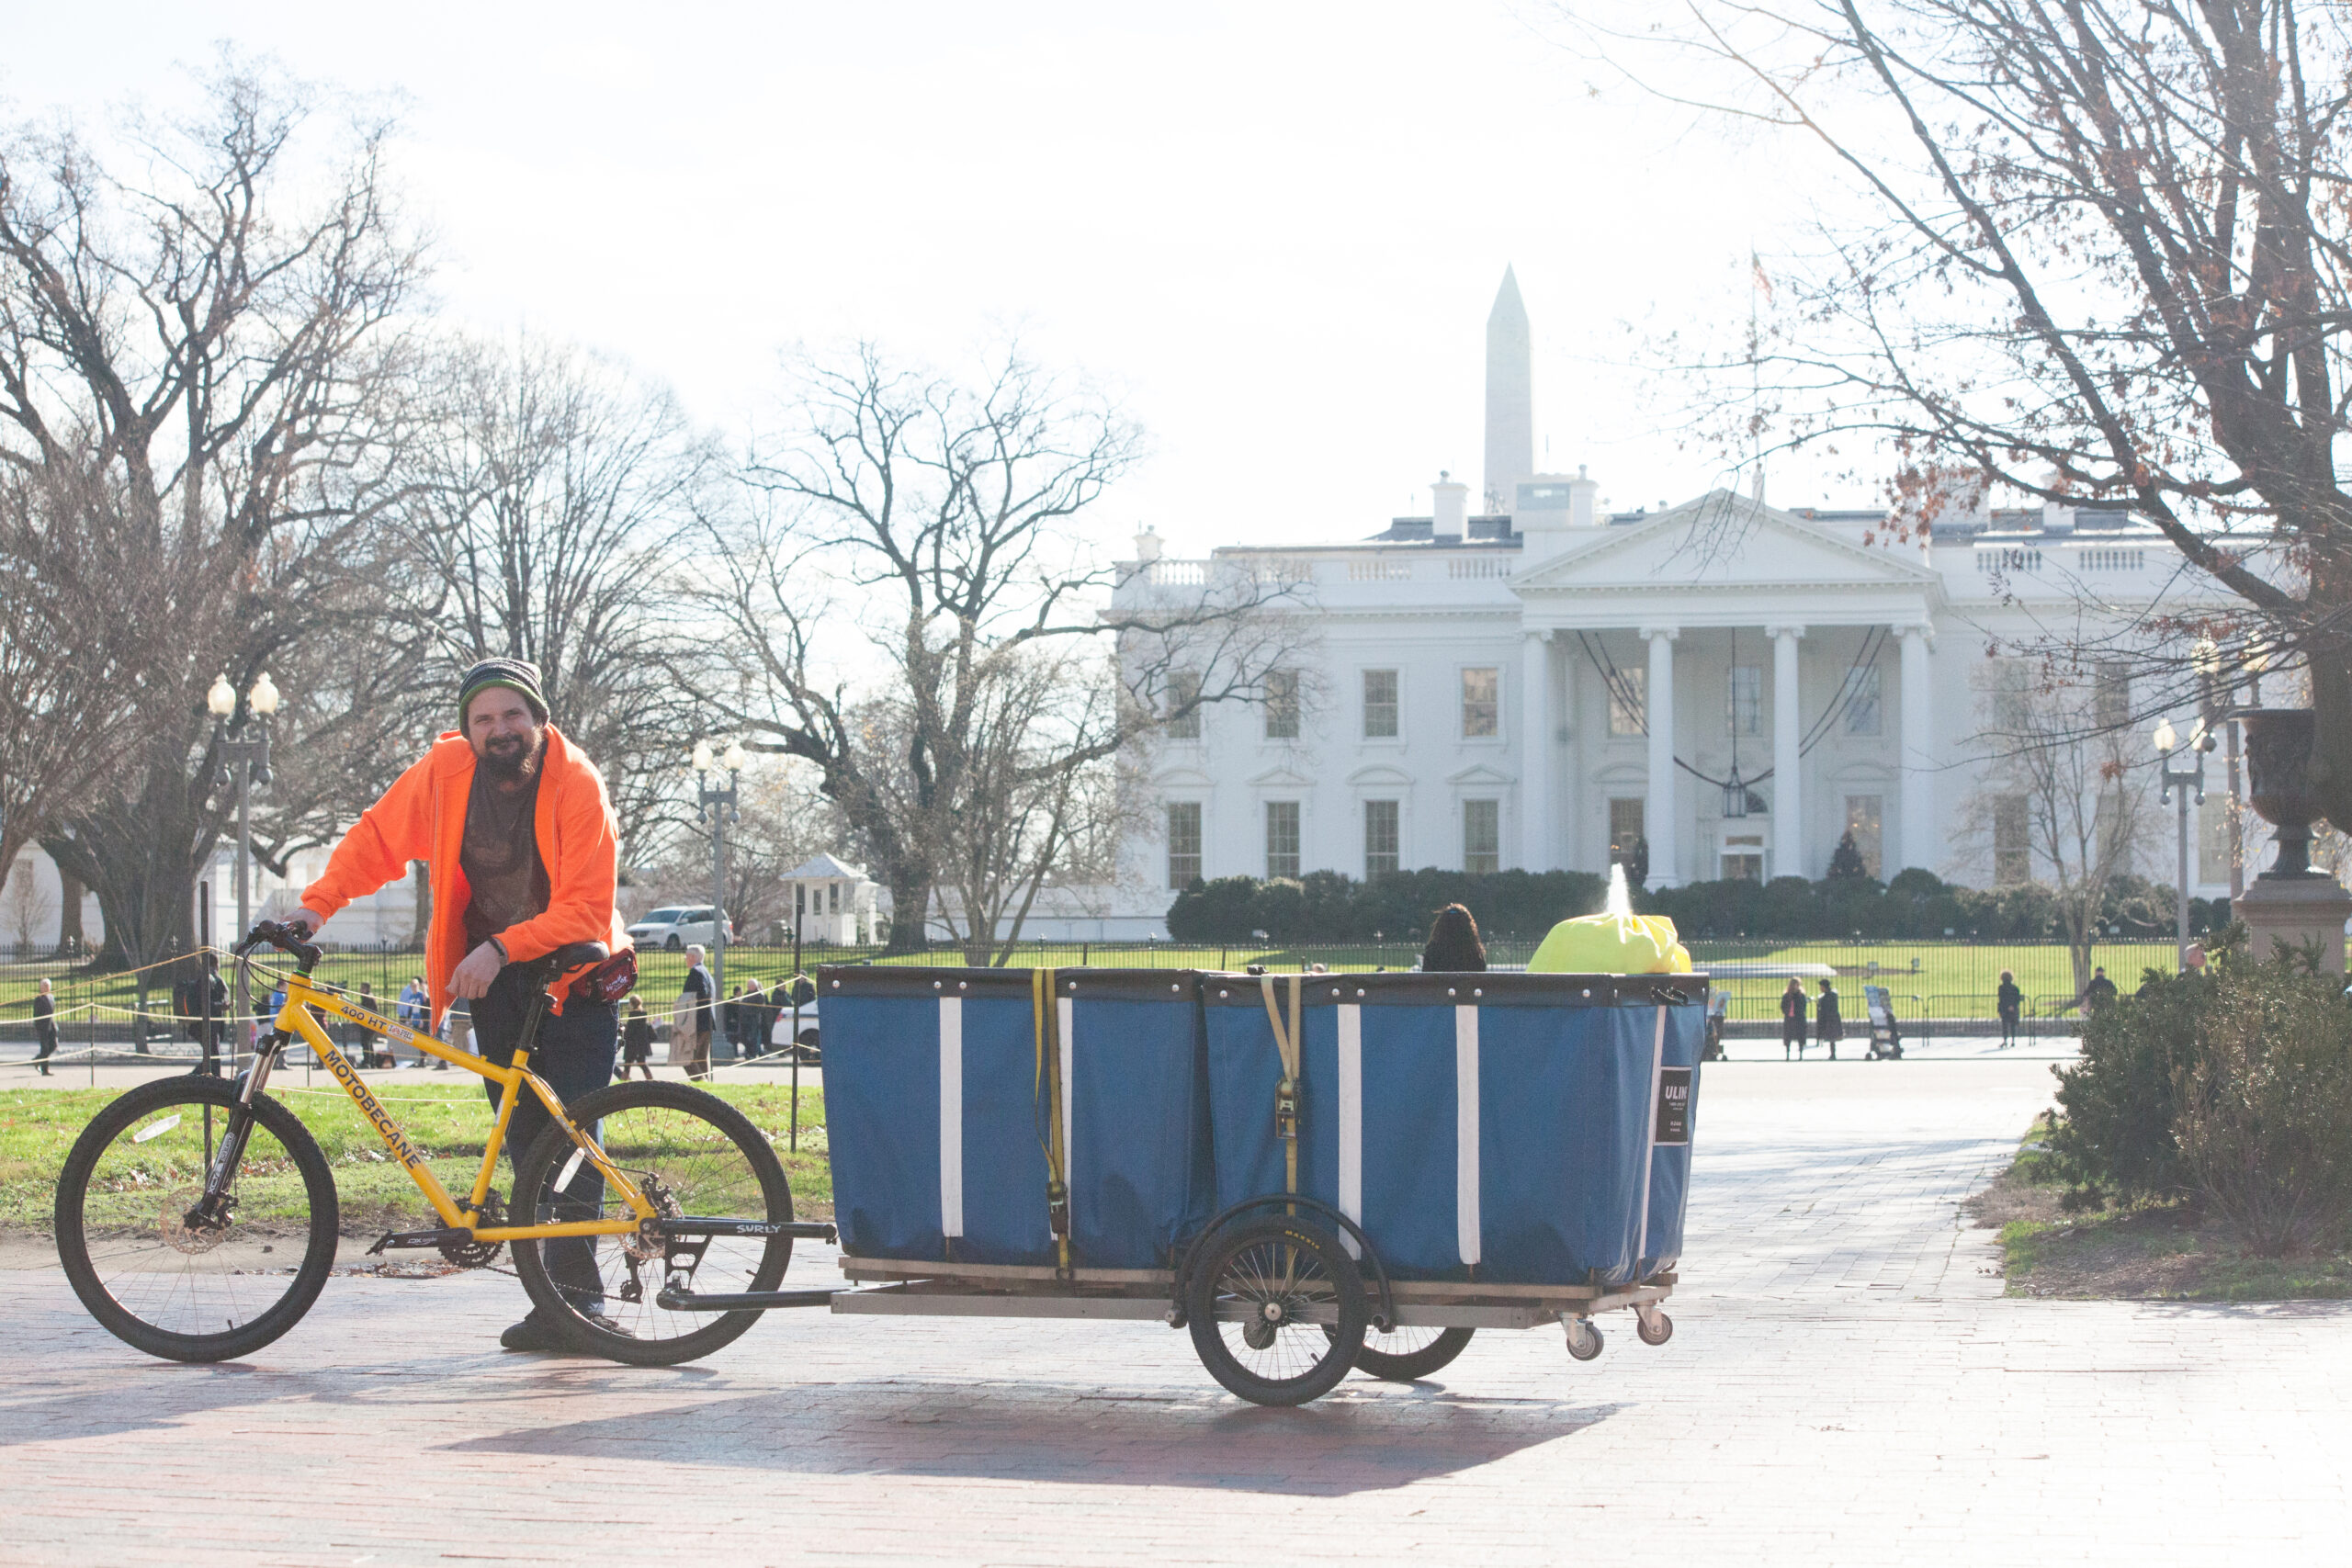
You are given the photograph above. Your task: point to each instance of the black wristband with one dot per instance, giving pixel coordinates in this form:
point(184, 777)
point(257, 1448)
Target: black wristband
point(504, 956)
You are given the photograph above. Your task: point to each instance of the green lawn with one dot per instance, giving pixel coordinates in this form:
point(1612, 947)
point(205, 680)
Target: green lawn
point(447, 1120)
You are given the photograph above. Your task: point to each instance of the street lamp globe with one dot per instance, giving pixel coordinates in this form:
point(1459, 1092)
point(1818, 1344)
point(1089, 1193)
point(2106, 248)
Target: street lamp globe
point(734, 759)
point(2165, 737)
point(263, 698)
point(702, 759)
point(221, 700)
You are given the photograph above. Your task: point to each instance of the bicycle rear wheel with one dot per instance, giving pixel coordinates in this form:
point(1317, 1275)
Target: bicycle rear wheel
point(158, 1270)
point(692, 1153)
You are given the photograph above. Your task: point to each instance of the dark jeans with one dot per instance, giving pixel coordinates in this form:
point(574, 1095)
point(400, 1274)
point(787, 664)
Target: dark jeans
point(48, 1035)
point(575, 1054)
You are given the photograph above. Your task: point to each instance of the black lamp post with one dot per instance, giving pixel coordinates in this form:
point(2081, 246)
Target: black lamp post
point(2184, 780)
point(716, 807)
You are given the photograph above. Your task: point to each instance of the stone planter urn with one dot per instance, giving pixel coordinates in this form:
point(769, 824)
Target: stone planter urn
point(2291, 904)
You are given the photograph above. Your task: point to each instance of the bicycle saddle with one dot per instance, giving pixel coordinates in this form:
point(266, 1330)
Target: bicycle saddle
point(571, 956)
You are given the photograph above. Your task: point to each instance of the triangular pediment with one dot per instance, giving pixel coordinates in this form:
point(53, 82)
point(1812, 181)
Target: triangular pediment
point(1478, 773)
point(1282, 778)
point(1722, 541)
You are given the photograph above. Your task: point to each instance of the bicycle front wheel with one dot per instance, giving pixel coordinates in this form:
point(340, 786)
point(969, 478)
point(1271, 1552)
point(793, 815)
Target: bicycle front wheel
point(692, 1153)
point(160, 1268)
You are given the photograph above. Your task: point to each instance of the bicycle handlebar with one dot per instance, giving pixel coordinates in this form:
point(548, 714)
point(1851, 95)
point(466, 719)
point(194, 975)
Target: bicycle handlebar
point(284, 937)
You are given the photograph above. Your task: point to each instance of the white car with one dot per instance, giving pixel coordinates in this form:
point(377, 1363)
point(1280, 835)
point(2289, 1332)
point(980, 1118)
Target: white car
point(674, 926)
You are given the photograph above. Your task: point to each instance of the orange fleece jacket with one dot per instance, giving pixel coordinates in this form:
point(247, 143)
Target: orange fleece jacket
point(423, 817)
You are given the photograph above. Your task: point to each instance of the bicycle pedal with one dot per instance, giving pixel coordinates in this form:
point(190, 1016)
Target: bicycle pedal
point(404, 1240)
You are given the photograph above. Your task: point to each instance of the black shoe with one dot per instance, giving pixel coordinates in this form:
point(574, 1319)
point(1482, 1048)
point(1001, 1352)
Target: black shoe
point(534, 1333)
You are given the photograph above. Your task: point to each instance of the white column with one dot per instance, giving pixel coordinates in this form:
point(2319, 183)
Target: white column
point(1917, 797)
point(1790, 855)
point(1657, 813)
point(1535, 759)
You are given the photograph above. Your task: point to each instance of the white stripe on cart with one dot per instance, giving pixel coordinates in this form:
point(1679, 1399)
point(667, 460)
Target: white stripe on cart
point(1352, 1121)
point(1466, 1131)
point(1649, 1139)
point(951, 1116)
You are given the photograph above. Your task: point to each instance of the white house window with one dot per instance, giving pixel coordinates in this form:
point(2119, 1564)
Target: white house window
point(1862, 818)
point(1862, 701)
point(1624, 826)
point(1743, 857)
point(1281, 839)
point(1184, 843)
point(1482, 836)
point(1629, 696)
point(1481, 702)
point(1379, 837)
point(1380, 704)
point(1744, 705)
point(1281, 705)
point(2012, 857)
point(1185, 690)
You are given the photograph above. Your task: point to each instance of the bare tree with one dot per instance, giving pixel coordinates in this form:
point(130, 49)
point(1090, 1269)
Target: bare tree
point(914, 542)
point(62, 635)
point(2066, 801)
point(2101, 252)
point(216, 348)
point(547, 496)
point(784, 819)
point(1029, 817)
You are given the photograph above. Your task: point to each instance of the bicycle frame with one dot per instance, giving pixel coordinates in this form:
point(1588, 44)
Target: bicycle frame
point(296, 1020)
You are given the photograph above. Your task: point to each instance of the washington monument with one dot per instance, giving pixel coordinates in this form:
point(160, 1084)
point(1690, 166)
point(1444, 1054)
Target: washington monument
point(1511, 412)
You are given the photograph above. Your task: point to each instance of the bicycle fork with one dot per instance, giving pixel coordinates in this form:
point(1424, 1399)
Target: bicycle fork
point(211, 1211)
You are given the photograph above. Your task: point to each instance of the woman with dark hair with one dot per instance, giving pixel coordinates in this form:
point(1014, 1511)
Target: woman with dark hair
point(1454, 942)
point(1793, 1011)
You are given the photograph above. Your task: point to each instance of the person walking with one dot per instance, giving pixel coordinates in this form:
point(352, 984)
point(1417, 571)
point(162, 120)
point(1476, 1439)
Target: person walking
point(522, 850)
point(1792, 1005)
point(2009, 1003)
point(637, 1039)
point(366, 1038)
point(2098, 993)
point(1828, 1018)
point(697, 1006)
point(44, 1027)
point(1453, 943)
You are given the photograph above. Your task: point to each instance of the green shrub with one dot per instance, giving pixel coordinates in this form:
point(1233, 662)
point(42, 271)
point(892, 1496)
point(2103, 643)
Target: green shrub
point(2116, 1138)
point(2263, 1116)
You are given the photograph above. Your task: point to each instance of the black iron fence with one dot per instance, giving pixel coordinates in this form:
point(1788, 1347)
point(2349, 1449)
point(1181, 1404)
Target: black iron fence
point(1953, 984)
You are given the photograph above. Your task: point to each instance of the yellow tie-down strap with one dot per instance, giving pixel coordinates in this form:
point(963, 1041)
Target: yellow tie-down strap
point(1286, 1045)
point(1049, 1100)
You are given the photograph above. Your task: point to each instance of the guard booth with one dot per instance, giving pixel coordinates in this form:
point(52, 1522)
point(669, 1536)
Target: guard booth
point(1886, 1036)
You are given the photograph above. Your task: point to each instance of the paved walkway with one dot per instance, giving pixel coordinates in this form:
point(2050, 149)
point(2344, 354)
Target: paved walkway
point(1846, 1386)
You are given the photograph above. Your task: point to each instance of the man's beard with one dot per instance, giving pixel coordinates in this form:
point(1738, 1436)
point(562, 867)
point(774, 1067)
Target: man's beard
point(509, 758)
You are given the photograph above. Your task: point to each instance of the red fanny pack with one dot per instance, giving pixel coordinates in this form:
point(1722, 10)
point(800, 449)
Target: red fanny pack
point(609, 981)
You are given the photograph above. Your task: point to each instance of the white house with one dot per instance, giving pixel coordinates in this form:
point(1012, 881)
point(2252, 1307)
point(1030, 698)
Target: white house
point(1527, 687)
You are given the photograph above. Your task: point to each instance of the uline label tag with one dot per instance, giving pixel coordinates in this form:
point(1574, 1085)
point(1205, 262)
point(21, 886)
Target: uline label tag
point(1673, 1105)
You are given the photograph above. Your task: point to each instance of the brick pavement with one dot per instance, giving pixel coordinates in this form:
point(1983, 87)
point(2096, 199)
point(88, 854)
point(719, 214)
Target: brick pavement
point(1846, 1385)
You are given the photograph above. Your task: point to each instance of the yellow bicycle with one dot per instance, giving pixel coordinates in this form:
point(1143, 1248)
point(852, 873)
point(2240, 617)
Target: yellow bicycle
point(198, 1220)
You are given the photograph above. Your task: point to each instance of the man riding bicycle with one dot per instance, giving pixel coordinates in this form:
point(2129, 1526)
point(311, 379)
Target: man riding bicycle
point(523, 851)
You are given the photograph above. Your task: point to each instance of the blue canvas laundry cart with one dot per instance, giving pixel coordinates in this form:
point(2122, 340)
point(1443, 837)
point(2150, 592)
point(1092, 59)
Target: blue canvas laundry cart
point(1313, 1173)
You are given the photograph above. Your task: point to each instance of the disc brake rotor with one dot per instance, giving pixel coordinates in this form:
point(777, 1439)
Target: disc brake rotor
point(178, 1235)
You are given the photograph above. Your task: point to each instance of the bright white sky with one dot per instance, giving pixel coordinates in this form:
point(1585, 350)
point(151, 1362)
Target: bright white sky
point(1275, 231)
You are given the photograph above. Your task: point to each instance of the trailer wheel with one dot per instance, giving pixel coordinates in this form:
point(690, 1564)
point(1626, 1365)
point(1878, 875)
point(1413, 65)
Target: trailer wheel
point(1584, 1339)
point(1653, 1326)
point(1408, 1354)
point(1277, 1311)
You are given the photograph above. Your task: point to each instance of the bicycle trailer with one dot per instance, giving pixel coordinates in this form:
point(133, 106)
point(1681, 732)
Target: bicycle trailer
point(1311, 1172)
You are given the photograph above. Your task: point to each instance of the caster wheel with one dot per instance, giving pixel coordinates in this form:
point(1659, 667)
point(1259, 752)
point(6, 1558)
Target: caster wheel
point(1584, 1339)
point(1654, 1329)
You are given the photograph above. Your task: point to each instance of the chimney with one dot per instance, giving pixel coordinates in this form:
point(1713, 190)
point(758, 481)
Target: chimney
point(1449, 509)
point(1581, 491)
point(1148, 545)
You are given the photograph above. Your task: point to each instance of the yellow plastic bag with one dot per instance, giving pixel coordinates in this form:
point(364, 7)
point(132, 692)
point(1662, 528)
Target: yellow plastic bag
point(1612, 945)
